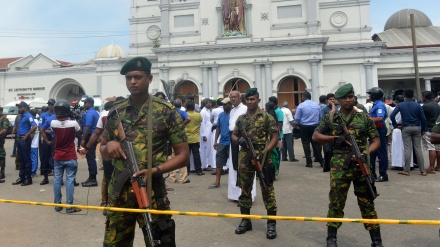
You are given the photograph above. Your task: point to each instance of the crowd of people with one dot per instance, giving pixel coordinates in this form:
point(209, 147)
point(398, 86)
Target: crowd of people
point(227, 135)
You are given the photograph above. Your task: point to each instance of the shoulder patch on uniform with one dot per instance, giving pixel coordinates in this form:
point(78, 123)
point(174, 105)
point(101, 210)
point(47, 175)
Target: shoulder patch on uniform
point(379, 111)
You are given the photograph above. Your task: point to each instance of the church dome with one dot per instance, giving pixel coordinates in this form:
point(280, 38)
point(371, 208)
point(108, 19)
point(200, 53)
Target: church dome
point(401, 19)
point(111, 51)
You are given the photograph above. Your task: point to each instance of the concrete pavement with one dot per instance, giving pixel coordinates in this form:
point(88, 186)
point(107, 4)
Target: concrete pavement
point(300, 191)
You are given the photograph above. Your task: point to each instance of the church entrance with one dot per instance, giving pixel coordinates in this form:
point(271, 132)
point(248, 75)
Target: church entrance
point(236, 84)
point(67, 89)
point(185, 89)
point(290, 89)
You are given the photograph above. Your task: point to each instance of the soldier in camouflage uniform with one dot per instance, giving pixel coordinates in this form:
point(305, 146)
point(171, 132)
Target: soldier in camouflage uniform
point(260, 127)
point(343, 171)
point(4, 124)
point(167, 125)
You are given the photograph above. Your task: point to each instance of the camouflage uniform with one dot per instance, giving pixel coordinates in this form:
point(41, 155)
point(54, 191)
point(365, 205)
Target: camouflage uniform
point(4, 124)
point(167, 125)
point(360, 127)
point(258, 129)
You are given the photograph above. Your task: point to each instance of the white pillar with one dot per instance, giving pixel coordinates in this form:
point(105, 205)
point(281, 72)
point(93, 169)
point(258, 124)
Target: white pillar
point(165, 22)
point(248, 19)
point(315, 78)
point(428, 84)
point(369, 75)
point(205, 82)
point(164, 73)
point(214, 81)
point(258, 85)
point(312, 18)
point(268, 81)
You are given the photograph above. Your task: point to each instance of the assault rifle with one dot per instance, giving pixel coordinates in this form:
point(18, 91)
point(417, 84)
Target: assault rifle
point(360, 160)
point(138, 183)
point(255, 158)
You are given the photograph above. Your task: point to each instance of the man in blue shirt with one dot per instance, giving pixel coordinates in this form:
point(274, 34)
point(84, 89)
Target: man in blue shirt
point(91, 119)
point(378, 114)
point(307, 117)
point(222, 146)
point(46, 147)
point(413, 128)
point(26, 128)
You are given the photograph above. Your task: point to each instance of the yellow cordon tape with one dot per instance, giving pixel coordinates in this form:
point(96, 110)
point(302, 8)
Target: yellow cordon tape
point(234, 216)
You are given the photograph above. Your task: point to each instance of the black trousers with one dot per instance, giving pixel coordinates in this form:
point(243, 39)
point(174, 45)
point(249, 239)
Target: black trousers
point(108, 171)
point(235, 148)
point(46, 156)
point(194, 149)
point(306, 140)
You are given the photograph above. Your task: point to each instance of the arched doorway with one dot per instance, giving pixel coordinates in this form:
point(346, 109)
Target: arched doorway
point(67, 89)
point(235, 84)
point(290, 89)
point(185, 89)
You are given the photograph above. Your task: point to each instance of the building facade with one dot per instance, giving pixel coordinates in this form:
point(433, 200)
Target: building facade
point(210, 47)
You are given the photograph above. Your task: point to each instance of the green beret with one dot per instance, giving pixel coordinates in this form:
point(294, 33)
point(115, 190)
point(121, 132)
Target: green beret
point(343, 90)
point(251, 92)
point(136, 64)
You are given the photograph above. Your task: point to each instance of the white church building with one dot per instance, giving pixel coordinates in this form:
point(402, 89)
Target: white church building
point(281, 47)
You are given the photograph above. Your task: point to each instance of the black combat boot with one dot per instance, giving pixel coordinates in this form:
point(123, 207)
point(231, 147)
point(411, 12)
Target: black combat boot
point(376, 240)
point(45, 180)
point(271, 226)
point(331, 236)
point(245, 224)
point(2, 172)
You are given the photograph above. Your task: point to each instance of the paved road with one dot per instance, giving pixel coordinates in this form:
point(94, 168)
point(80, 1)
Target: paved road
point(300, 191)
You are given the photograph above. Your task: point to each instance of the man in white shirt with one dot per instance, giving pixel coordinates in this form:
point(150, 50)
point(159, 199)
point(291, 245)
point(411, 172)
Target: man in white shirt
point(205, 134)
point(288, 137)
point(214, 117)
point(238, 109)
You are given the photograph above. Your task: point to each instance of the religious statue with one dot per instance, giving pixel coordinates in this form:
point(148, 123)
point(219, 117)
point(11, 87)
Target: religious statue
point(233, 17)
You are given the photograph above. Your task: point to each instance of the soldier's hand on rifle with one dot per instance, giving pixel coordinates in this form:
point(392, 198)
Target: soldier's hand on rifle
point(363, 157)
point(242, 142)
point(114, 150)
point(341, 140)
point(143, 172)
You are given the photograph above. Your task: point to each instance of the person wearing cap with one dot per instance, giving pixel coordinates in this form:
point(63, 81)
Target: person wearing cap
point(133, 115)
point(378, 114)
point(344, 171)
point(26, 127)
point(47, 147)
point(224, 140)
point(91, 120)
point(4, 124)
point(260, 127)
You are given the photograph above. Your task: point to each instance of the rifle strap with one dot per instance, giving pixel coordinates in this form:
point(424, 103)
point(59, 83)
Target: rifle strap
point(150, 147)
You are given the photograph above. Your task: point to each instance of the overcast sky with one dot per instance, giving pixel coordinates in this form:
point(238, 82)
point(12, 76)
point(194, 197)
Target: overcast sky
point(74, 31)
